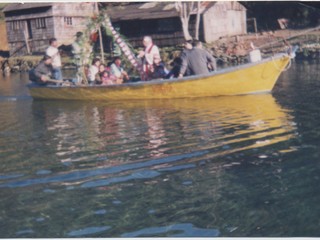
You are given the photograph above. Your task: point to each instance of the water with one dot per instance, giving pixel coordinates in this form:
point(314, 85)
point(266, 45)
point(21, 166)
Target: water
point(245, 166)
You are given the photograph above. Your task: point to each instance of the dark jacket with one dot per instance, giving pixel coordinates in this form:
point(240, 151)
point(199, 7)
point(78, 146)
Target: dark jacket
point(197, 61)
point(41, 69)
point(159, 71)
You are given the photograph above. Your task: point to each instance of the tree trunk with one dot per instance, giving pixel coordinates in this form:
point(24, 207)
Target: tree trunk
point(185, 29)
point(184, 11)
point(197, 21)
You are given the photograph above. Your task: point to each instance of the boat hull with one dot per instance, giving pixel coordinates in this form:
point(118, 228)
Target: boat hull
point(247, 79)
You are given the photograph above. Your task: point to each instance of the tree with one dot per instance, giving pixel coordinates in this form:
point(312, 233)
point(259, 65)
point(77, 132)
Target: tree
point(185, 10)
point(198, 20)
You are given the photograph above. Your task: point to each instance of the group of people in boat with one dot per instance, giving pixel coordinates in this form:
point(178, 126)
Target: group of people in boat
point(194, 60)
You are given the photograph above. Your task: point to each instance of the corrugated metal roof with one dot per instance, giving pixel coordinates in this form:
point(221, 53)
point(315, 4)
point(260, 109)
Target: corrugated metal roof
point(22, 6)
point(148, 10)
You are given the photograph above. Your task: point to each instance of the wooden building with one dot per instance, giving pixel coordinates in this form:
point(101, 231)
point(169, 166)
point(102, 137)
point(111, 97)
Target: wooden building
point(161, 21)
point(31, 25)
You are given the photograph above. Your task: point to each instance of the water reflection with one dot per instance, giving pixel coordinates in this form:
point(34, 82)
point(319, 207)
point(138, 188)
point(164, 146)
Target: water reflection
point(93, 139)
point(156, 168)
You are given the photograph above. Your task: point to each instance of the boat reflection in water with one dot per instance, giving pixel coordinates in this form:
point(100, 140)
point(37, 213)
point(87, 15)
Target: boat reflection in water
point(147, 168)
point(141, 130)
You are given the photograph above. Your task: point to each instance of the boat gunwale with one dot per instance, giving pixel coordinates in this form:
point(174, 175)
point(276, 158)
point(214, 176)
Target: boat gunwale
point(173, 80)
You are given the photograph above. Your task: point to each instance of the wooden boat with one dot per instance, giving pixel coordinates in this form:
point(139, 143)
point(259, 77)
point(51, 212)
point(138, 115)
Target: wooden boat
point(249, 78)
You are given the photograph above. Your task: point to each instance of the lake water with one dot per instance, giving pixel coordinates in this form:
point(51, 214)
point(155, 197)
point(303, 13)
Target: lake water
point(244, 166)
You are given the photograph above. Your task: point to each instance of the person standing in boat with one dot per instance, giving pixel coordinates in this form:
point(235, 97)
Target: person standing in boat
point(54, 53)
point(77, 50)
point(42, 73)
point(147, 56)
point(197, 60)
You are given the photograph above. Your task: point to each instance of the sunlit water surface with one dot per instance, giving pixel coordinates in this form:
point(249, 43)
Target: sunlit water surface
point(244, 166)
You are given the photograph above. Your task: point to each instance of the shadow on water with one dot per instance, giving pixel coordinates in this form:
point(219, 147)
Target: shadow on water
point(136, 168)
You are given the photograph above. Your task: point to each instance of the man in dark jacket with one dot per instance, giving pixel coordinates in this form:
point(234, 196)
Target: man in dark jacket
point(197, 61)
point(41, 74)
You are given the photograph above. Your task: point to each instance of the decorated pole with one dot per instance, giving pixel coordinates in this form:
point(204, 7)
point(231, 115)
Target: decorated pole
point(125, 49)
point(100, 35)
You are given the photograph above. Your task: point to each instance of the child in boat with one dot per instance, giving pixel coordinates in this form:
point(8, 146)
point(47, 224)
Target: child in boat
point(106, 78)
point(99, 74)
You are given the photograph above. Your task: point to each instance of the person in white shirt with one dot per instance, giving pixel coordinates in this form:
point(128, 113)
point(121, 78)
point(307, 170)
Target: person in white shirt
point(148, 55)
point(93, 71)
point(54, 53)
point(118, 71)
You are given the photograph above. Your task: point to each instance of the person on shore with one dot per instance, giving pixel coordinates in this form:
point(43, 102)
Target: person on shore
point(117, 71)
point(42, 73)
point(147, 56)
point(197, 60)
point(54, 53)
point(93, 71)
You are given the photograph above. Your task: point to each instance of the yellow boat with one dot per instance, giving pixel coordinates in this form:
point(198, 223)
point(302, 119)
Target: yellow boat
point(249, 78)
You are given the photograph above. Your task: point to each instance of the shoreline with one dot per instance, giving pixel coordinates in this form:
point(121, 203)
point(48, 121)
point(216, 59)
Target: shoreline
point(228, 50)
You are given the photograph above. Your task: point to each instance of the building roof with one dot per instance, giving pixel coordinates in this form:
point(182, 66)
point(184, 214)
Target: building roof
point(22, 6)
point(149, 10)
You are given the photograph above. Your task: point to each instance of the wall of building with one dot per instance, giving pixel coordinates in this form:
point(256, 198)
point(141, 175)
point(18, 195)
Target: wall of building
point(62, 21)
point(3, 37)
point(70, 18)
point(37, 36)
point(224, 19)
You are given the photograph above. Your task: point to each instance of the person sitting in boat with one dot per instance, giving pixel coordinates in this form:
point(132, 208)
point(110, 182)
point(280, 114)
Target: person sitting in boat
point(93, 71)
point(175, 70)
point(117, 70)
point(107, 79)
point(158, 69)
point(98, 79)
point(188, 46)
point(212, 65)
point(42, 73)
point(147, 55)
point(197, 60)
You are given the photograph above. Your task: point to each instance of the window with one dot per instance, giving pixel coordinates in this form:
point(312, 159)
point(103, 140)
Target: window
point(40, 23)
point(17, 25)
point(68, 21)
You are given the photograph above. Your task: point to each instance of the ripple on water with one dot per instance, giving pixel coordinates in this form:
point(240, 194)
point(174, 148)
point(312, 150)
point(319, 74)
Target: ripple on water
point(23, 232)
point(183, 229)
point(100, 212)
point(11, 176)
point(87, 231)
point(43, 172)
